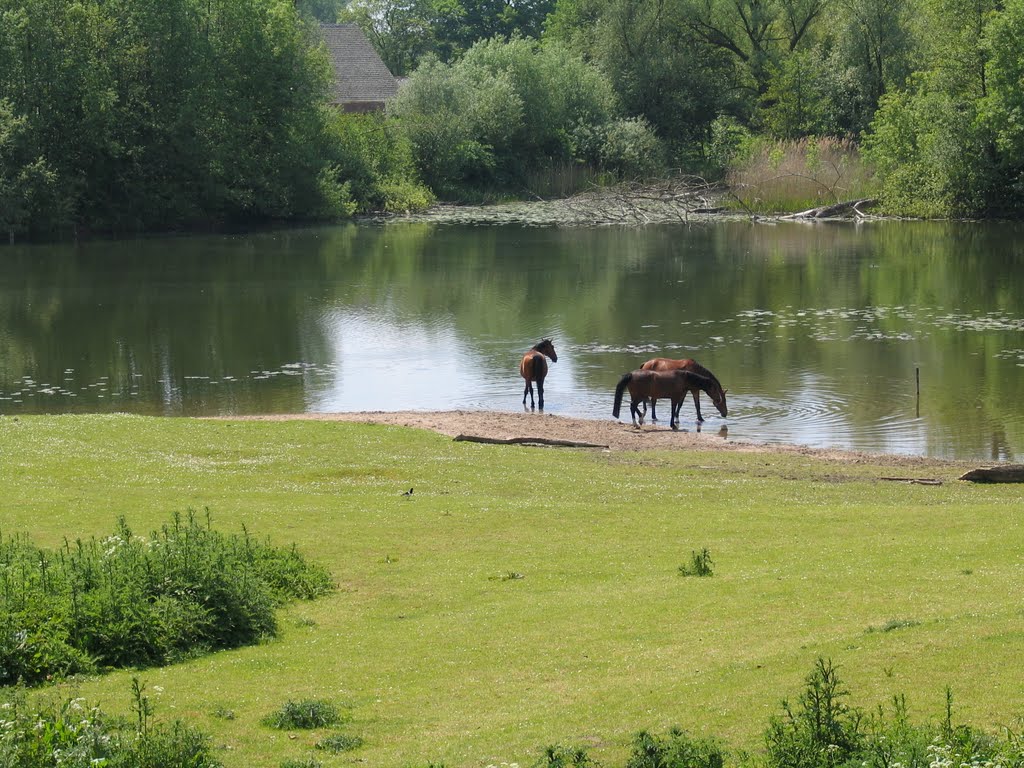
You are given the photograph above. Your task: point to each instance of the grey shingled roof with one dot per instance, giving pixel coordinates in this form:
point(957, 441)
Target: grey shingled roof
point(359, 73)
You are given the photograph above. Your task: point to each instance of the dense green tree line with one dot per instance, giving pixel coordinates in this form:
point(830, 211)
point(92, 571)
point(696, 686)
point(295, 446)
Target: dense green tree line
point(130, 115)
point(127, 115)
point(155, 113)
point(931, 88)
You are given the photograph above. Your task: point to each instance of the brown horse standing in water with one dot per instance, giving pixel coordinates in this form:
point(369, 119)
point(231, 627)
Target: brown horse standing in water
point(716, 393)
point(654, 384)
point(534, 367)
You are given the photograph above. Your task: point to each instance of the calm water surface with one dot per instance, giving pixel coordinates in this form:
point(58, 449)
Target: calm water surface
point(817, 331)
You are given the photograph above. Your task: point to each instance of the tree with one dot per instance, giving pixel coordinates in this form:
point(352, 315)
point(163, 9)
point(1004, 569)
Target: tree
point(661, 71)
point(508, 106)
point(402, 32)
point(755, 32)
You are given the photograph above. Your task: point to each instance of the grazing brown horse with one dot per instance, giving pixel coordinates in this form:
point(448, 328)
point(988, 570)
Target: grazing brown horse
point(716, 393)
point(534, 368)
point(654, 384)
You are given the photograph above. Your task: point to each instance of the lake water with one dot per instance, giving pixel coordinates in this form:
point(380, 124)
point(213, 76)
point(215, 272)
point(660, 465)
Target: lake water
point(818, 331)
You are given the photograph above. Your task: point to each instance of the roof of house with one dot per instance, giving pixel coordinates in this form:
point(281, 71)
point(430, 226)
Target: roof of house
point(359, 73)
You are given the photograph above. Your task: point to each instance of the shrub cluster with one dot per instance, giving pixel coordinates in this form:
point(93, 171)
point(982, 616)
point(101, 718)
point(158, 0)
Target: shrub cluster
point(74, 735)
point(510, 109)
point(125, 601)
point(305, 714)
point(821, 730)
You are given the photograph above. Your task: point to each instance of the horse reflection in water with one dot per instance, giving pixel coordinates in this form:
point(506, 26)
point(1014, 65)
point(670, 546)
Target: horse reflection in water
point(534, 367)
point(715, 391)
point(654, 384)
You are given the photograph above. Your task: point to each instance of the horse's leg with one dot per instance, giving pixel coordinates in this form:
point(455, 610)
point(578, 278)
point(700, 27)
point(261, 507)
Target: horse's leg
point(529, 389)
point(654, 416)
point(540, 393)
point(696, 403)
point(634, 410)
point(673, 421)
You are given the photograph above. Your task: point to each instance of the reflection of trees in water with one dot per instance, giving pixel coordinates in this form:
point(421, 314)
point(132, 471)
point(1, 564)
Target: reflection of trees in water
point(756, 303)
point(855, 303)
point(163, 318)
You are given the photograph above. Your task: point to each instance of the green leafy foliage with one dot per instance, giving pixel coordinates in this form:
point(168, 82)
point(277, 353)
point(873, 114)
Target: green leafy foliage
point(558, 756)
point(374, 159)
point(339, 742)
point(675, 750)
point(303, 715)
point(126, 601)
point(820, 730)
point(504, 109)
point(139, 115)
point(700, 564)
point(75, 735)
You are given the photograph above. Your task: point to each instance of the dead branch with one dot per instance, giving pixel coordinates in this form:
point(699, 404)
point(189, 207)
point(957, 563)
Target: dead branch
point(914, 480)
point(674, 198)
point(835, 211)
point(526, 441)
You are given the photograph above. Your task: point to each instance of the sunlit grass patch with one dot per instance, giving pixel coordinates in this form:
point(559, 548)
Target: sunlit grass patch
point(436, 659)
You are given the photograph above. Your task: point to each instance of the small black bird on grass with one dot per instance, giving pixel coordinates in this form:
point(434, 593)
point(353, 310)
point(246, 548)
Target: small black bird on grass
point(408, 493)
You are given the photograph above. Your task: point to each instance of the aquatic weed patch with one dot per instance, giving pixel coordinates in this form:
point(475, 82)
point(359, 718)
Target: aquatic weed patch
point(129, 601)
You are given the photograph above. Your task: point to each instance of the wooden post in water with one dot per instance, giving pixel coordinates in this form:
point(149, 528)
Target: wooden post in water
point(917, 371)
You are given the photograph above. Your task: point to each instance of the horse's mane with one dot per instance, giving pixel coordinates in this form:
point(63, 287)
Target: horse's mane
point(704, 379)
point(701, 370)
point(536, 347)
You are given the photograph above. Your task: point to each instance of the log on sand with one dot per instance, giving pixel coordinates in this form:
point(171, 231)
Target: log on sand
point(526, 441)
point(1001, 473)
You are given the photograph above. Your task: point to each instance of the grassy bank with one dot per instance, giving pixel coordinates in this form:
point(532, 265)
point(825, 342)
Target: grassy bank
point(523, 597)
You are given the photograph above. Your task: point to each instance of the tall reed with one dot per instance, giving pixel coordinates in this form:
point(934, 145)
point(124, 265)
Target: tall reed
point(772, 176)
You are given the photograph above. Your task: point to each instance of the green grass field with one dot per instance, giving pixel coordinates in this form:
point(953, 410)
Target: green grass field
point(436, 655)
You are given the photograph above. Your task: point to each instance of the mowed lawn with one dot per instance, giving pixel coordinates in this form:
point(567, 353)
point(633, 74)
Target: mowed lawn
point(523, 597)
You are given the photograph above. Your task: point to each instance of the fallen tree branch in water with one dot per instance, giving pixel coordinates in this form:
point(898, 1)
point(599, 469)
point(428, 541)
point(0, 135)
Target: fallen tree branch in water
point(675, 198)
point(838, 210)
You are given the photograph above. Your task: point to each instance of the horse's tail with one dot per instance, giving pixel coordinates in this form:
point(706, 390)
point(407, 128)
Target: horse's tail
point(619, 389)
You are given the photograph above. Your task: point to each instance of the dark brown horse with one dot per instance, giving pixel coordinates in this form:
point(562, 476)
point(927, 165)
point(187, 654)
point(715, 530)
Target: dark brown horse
point(654, 384)
point(716, 393)
point(534, 368)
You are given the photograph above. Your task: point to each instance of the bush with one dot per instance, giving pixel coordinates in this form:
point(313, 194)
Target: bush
point(374, 160)
point(677, 750)
point(699, 565)
point(303, 715)
point(339, 742)
point(931, 153)
point(507, 107)
point(127, 601)
point(557, 756)
point(78, 736)
point(630, 149)
point(821, 730)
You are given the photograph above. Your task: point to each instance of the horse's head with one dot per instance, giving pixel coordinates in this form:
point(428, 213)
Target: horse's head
point(545, 347)
point(718, 398)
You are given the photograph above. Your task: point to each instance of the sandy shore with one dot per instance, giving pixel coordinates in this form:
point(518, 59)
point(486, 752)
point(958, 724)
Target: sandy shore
point(620, 436)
